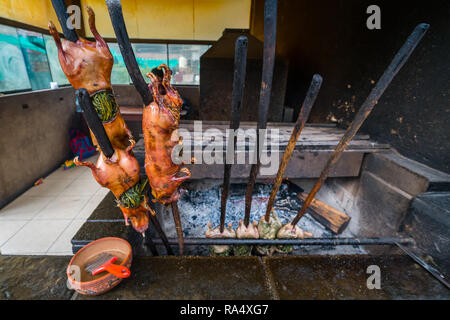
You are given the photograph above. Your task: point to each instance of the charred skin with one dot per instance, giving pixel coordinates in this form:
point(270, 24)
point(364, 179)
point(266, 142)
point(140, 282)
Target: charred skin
point(88, 65)
point(160, 120)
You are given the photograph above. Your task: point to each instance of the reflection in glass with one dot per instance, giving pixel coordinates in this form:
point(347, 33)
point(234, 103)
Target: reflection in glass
point(149, 56)
point(33, 49)
point(119, 73)
point(13, 74)
point(184, 60)
point(53, 60)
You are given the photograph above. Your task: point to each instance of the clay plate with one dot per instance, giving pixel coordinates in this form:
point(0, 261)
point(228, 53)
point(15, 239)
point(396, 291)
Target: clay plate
point(83, 282)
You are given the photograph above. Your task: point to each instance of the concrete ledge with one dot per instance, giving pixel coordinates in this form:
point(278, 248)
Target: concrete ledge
point(428, 222)
point(195, 278)
point(230, 278)
point(406, 174)
point(34, 277)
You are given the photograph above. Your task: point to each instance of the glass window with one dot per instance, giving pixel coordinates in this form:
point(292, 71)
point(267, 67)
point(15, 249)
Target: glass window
point(35, 55)
point(119, 73)
point(149, 56)
point(184, 60)
point(13, 73)
point(53, 61)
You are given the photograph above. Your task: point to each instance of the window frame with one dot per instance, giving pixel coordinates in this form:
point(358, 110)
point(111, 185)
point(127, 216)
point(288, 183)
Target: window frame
point(24, 26)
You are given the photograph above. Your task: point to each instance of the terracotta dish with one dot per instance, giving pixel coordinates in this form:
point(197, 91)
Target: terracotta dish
point(87, 284)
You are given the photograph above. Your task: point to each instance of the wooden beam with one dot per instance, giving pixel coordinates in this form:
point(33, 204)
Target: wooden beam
point(329, 217)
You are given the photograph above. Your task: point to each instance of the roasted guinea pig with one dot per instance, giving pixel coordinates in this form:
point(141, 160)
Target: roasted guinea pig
point(228, 233)
point(160, 120)
point(120, 174)
point(88, 65)
point(245, 232)
point(288, 231)
point(268, 230)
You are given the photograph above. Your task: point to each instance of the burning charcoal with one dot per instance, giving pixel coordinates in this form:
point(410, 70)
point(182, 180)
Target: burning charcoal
point(243, 232)
point(288, 231)
point(216, 234)
point(268, 230)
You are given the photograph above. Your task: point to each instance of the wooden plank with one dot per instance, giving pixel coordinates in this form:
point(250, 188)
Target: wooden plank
point(329, 217)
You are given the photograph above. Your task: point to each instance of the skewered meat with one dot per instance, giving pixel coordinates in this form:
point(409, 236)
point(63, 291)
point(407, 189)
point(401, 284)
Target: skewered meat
point(120, 174)
point(88, 65)
point(288, 231)
point(228, 233)
point(160, 120)
point(243, 232)
point(268, 230)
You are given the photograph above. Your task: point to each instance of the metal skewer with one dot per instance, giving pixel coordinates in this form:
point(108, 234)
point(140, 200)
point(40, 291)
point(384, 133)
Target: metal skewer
point(270, 37)
point(94, 122)
point(178, 227)
point(99, 133)
point(63, 17)
point(397, 63)
point(149, 242)
point(161, 233)
point(240, 63)
point(120, 29)
point(295, 242)
point(118, 22)
point(310, 98)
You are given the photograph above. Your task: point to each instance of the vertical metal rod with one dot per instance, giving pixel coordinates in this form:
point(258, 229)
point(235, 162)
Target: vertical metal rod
point(63, 17)
point(161, 233)
point(240, 63)
point(94, 122)
point(149, 242)
point(397, 63)
point(178, 227)
point(270, 37)
point(310, 98)
point(115, 12)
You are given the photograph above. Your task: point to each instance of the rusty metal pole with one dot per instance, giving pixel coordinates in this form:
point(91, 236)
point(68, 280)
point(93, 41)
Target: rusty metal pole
point(161, 233)
point(397, 63)
point(270, 39)
point(310, 98)
point(240, 63)
point(178, 227)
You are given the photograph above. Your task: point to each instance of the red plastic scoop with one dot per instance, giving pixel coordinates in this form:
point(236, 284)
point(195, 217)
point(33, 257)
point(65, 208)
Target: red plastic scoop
point(105, 262)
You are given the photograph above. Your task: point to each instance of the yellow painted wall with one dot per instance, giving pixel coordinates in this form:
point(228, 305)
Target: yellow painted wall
point(34, 12)
point(146, 19)
point(175, 19)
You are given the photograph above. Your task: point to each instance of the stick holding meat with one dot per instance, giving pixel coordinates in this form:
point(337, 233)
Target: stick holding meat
point(159, 122)
point(88, 64)
point(118, 170)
